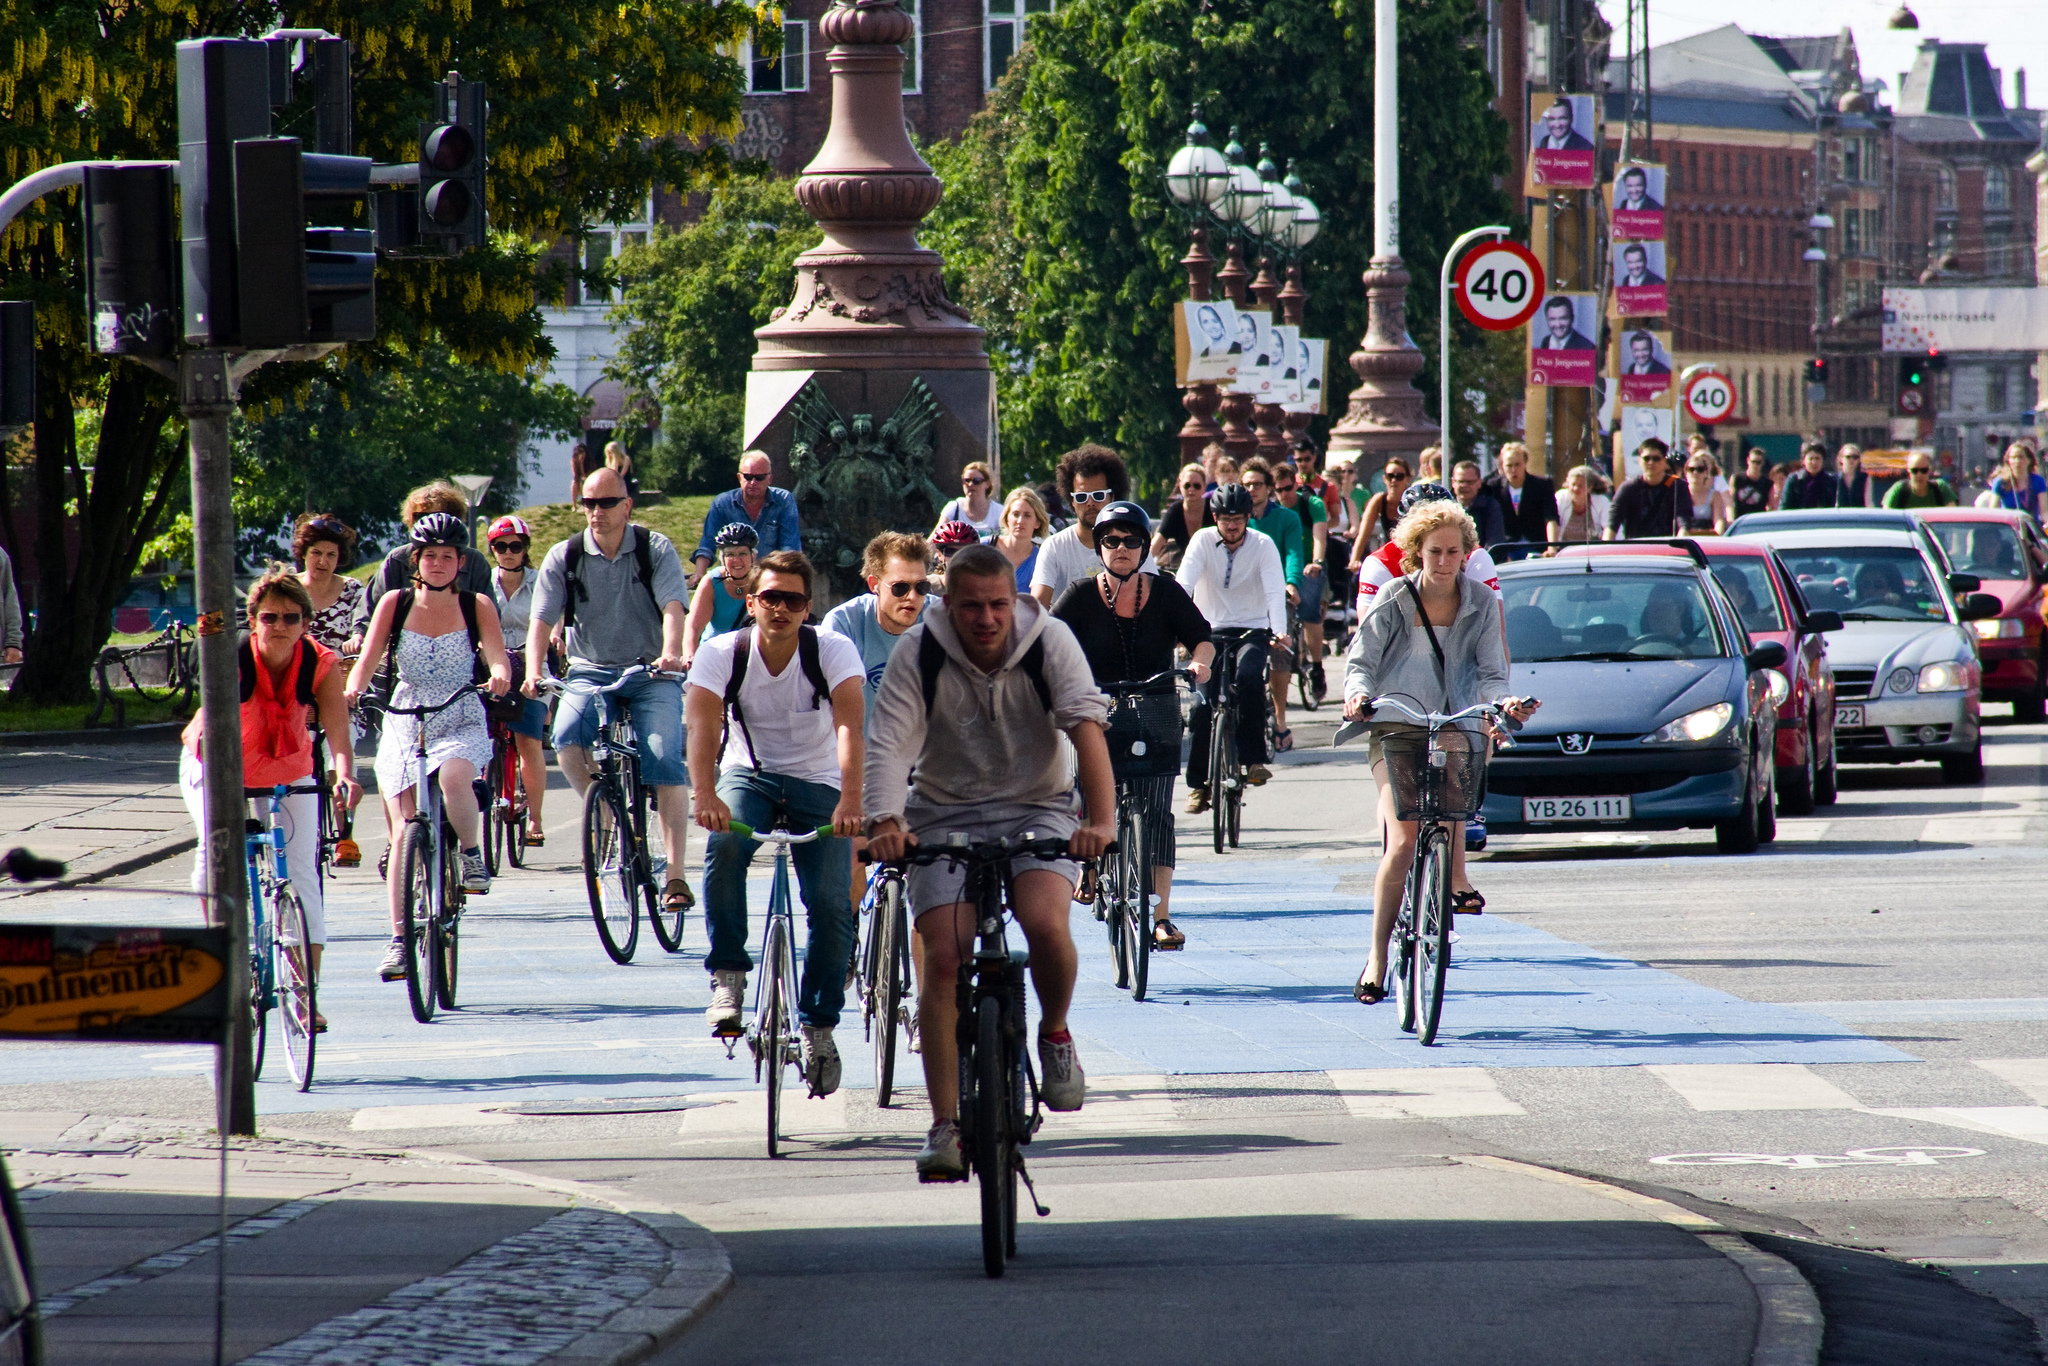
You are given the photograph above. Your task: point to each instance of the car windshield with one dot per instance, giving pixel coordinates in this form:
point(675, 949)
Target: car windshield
point(1608, 616)
point(1868, 583)
point(1990, 550)
point(1748, 585)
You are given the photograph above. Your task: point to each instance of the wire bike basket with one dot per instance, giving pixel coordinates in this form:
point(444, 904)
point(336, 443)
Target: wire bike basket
point(1144, 730)
point(1438, 783)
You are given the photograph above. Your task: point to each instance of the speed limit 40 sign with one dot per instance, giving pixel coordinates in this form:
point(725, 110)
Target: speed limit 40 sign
point(1499, 286)
point(1709, 398)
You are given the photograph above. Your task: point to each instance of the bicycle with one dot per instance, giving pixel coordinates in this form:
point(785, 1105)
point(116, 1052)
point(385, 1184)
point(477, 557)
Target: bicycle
point(1143, 735)
point(999, 1109)
point(1303, 666)
point(280, 942)
point(884, 981)
point(21, 1321)
point(1226, 766)
point(425, 857)
point(1448, 789)
point(502, 797)
point(773, 1040)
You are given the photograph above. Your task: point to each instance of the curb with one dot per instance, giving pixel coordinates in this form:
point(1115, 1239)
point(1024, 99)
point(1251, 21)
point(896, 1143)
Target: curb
point(98, 735)
point(135, 862)
point(1789, 1322)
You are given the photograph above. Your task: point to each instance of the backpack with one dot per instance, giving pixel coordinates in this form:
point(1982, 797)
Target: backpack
point(302, 686)
point(479, 672)
point(572, 559)
point(931, 660)
point(742, 653)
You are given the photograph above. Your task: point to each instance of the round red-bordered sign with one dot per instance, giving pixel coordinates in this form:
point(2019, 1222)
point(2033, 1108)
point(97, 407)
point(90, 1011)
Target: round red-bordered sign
point(1500, 285)
point(1710, 398)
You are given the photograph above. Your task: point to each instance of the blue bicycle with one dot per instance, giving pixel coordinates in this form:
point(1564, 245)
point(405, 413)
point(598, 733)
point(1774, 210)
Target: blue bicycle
point(280, 941)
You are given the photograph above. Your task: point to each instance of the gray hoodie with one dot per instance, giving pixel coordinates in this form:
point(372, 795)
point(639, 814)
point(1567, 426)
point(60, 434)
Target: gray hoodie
point(988, 739)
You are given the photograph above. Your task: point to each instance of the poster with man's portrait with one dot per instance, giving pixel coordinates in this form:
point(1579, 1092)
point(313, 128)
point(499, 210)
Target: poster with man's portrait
point(1205, 341)
point(1645, 366)
point(1563, 149)
point(1562, 351)
point(1255, 339)
point(1639, 424)
point(1312, 353)
point(1635, 210)
point(1286, 386)
point(1640, 290)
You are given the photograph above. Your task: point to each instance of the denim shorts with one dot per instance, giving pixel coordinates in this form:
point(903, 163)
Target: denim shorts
point(1313, 589)
point(656, 706)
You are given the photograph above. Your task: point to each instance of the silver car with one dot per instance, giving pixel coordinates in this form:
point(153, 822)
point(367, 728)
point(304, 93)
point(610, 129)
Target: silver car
point(1908, 683)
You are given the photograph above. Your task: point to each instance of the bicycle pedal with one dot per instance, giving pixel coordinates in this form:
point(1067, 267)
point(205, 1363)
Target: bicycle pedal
point(943, 1179)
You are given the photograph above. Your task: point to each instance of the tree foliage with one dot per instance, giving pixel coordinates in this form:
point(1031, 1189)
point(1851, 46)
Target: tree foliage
point(1057, 224)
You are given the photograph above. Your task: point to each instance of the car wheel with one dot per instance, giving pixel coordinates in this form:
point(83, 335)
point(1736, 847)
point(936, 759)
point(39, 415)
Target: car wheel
point(1964, 768)
point(1796, 786)
point(1738, 834)
point(1826, 776)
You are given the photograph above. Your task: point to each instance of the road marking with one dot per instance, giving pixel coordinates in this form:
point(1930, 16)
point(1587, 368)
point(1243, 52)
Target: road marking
point(1132, 1102)
point(1855, 1157)
point(2026, 1122)
point(1752, 1086)
point(2004, 1010)
point(2028, 1074)
point(746, 1112)
point(1421, 1093)
point(1968, 829)
point(427, 1117)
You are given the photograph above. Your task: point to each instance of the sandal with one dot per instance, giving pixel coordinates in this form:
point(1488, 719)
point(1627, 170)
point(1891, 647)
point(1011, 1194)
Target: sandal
point(1166, 937)
point(1283, 740)
point(1369, 992)
point(676, 896)
point(535, 837)
point(1468, 903)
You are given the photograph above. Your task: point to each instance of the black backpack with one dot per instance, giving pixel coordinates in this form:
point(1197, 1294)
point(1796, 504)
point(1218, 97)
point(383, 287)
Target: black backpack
point(479, 672)
point(742, 653)
point(572, 582)
point(931, 660)
point(302, 685)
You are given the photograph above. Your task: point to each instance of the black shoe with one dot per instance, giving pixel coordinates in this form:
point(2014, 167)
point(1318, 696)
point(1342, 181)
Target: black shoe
point(1317, 682)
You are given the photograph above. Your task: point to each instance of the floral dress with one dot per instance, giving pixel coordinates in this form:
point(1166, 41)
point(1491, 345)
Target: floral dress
point(431, 669)
point(340, 619)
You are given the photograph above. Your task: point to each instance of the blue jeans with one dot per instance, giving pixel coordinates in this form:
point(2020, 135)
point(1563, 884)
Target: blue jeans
point(656, 706)
point(823, 871)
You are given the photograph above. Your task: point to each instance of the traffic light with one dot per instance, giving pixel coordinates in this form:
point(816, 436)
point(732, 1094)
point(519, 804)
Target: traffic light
point(223, 97)
point(17, 364)
point(453, 156)
point(1916, 390)
point(131, 276)
point(1817, 370)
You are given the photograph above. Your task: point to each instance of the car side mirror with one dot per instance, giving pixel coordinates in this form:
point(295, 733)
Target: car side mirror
point(1822, 620)
point(1964, 583)
point(1979, 606)
point(1769, 655)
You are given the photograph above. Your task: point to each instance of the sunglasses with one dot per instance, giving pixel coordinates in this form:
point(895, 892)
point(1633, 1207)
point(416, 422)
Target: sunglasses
point(606, 503)
point(1695, 469)
point(1196, 487)
point(787, 601)
point(1283, 488)
point(904, 590)
point(1256, 484)
point(276, 618)
point(508, 547)
point(974, 482)
point(1096, 496)
point(1919, 469)
point(754, 478)
point(1120, 542)
point(1393, 478)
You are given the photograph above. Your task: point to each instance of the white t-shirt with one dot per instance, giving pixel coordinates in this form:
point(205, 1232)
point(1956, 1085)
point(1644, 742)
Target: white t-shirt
point(793, 738)
point(956, 511)
point(1383, 566)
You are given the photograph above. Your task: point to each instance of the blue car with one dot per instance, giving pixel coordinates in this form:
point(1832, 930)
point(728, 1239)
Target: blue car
point(1657, 711)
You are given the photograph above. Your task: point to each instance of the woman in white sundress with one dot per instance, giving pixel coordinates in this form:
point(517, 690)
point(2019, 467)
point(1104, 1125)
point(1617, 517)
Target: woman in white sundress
point(439, 633)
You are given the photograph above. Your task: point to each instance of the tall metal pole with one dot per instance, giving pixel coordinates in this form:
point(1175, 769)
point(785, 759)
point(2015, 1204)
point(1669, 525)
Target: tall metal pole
point(206, 387)
point(1386, 134)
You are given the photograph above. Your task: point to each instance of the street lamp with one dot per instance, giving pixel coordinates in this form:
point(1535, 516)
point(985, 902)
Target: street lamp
point(1197, 178)
point(1273, 226)
point(1302, 229)
point(1237, 212)
point(1197, 175)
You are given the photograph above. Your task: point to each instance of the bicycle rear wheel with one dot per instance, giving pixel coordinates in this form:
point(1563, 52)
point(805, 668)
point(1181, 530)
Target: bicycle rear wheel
point(992, 1136)
point(414, 862)
point(259, 1013)
point(667, 924)
point(1111, 893)
point(772, 1025)
point(1432, 934)
point(1133, 856)
point(1235, 814)
point(297, 1001)
point(1222, 740)
point(890, 966)
point(611, 873)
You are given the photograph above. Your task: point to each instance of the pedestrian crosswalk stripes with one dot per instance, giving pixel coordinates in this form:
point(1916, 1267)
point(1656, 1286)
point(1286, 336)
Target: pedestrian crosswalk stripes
point(1421, 1093)
point(1740, 1086)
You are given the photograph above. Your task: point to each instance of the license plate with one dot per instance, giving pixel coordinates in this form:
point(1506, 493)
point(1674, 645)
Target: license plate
point(1848, 716)
point(1540, 810)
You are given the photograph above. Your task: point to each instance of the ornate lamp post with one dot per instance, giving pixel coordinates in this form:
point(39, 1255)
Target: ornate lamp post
point(1301, 231)
point(1243, 196)
point(1196, 179)
point(1273, 228)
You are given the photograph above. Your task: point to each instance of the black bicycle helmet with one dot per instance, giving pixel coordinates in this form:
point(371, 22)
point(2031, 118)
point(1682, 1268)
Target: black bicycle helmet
point(736, 536)
point(1231, 500)
point(1124, 514)
point(440, 528)
point(1418, 494)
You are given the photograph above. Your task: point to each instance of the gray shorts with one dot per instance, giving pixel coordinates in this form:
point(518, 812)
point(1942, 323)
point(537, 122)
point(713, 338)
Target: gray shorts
point(941, 884)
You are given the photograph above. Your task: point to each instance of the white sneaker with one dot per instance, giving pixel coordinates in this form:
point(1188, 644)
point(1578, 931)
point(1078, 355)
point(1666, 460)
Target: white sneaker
point(476, 874)
point(1061, 1082)
point(940, 1158)
point(728, 989)
point(821, 1060)
point(392, 969)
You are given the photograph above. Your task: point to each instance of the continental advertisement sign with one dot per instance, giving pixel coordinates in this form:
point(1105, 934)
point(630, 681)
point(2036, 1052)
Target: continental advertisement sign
point(151, 984)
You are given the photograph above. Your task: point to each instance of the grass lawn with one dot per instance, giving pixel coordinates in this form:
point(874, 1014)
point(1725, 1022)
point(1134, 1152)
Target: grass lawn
point(144, 708)
point(679, 519)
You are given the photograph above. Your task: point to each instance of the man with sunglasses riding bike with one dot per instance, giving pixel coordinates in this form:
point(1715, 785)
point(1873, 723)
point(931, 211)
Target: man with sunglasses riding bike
point(618, 590)
point(1090, 477)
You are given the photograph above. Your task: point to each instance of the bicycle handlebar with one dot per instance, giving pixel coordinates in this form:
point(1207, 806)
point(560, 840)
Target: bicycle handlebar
point(985, 851)
point(1134, 685)
point(546, 683)
point(748, 832)
point(1498, 711)
point(368, 703)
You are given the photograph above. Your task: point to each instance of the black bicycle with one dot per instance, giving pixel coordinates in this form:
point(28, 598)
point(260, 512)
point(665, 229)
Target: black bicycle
point(999, 1109)
point(1226, 765)
point(1143, 735)
point(887, 1003)
point(21, 1324)
point(1303, 664)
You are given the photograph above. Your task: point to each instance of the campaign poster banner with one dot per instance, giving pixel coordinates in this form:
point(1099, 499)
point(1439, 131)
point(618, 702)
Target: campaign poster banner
point(1917, 321)
point(1639, 287)
point(1205, 345)
point(1286, 364)
point(1646, 366)
point(1563, 152)
point(113, 983)
point(1255, 340)
point(1314, 355)
point(1639, 424)
point(1635, 209)
point(1562, 352)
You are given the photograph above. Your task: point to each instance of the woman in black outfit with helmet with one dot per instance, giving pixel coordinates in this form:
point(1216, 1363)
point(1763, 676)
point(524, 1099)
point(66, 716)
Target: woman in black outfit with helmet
point(1128, 624)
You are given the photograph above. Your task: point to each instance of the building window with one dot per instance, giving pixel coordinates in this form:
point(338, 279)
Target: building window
point(1944, 188)
point(1997, 238)
point(1742, 172)
point(1997, 189)
point(1692, 168)
point(602, 245)
point(1005, 25)
point(785, 74)
point(1852, 233)
point(1742, 249)
point(913, 55)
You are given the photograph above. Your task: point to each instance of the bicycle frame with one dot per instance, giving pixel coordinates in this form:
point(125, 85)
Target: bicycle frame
point(772, 1038)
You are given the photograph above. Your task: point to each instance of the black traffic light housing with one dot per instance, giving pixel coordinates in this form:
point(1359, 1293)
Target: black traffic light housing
point(453, 156)
point(131, 275)
point(1817, 370)
point(1915, 396)
point(17, 364)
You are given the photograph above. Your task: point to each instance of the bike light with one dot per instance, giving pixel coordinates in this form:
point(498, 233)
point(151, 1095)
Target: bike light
point(1781, 687)
point(1944, 677)
point(2000, 628)
point(1703, 724)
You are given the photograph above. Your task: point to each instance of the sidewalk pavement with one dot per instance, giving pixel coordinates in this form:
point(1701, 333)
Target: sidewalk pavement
point(103, 809)
point(339, 1256)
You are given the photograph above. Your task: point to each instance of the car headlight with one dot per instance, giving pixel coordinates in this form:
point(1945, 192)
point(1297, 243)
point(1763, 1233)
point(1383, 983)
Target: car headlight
point(1703, 724)
point(1944, 677)
point(1781, 687)
point(1998, 628)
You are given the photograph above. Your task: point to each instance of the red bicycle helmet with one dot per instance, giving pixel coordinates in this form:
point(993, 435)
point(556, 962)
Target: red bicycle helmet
point(953, 535)
point(509, 525)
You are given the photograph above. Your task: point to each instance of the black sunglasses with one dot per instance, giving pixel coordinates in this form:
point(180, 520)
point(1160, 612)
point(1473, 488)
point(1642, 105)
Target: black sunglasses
point(273, 618)
point(606, 503)
point(1114, 542)
point(904, 590)
point(754, 478)
point(508, 547)
point(787, 601)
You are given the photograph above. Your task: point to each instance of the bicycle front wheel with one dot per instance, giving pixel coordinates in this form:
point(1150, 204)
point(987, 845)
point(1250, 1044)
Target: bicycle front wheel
point(611, 872)
point(890, 968)
point(773, 1025)
point(1134, 857)
point(1111, 893)
point(414, 862)
point(1222, 742)
point(668, 924)
point(992, 1135)
point(1432, 934)
point(298, 1003)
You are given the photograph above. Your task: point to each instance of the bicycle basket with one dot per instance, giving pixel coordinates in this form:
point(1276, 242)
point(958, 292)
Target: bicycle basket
point(1144, 732)
point(1438, 784)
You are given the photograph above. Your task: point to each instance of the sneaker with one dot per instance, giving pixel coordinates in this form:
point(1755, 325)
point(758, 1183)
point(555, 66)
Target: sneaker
point(1198, 800)
point(1062, 1084)
point(348, 854)
point(821, 1060)
point(728, 988)
point(392, 969)
point(1317, 682)
point(940, 1158)
point(476, 874)
point(1257, 774)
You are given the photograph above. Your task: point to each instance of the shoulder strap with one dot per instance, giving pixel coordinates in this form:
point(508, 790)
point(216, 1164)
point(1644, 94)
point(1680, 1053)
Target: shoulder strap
point(572, 583)
point(309, 665)
point(467, 601)
point(245, 661)
point(742, 655)
point(643, 556)
point(807, 656)
point(398, 617)
point(1034, 668)
point(931, 661)
point(1442, 668)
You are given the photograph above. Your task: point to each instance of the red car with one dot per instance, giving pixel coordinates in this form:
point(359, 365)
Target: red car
point(1764, 592)
point(2009, 557)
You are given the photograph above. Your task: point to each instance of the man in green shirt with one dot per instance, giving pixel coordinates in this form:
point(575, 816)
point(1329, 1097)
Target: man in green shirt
point(1315, 584)
point(1920, 489)
point(1283, 524)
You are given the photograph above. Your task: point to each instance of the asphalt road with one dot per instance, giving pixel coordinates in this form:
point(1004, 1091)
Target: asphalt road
point(1845, 1036)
